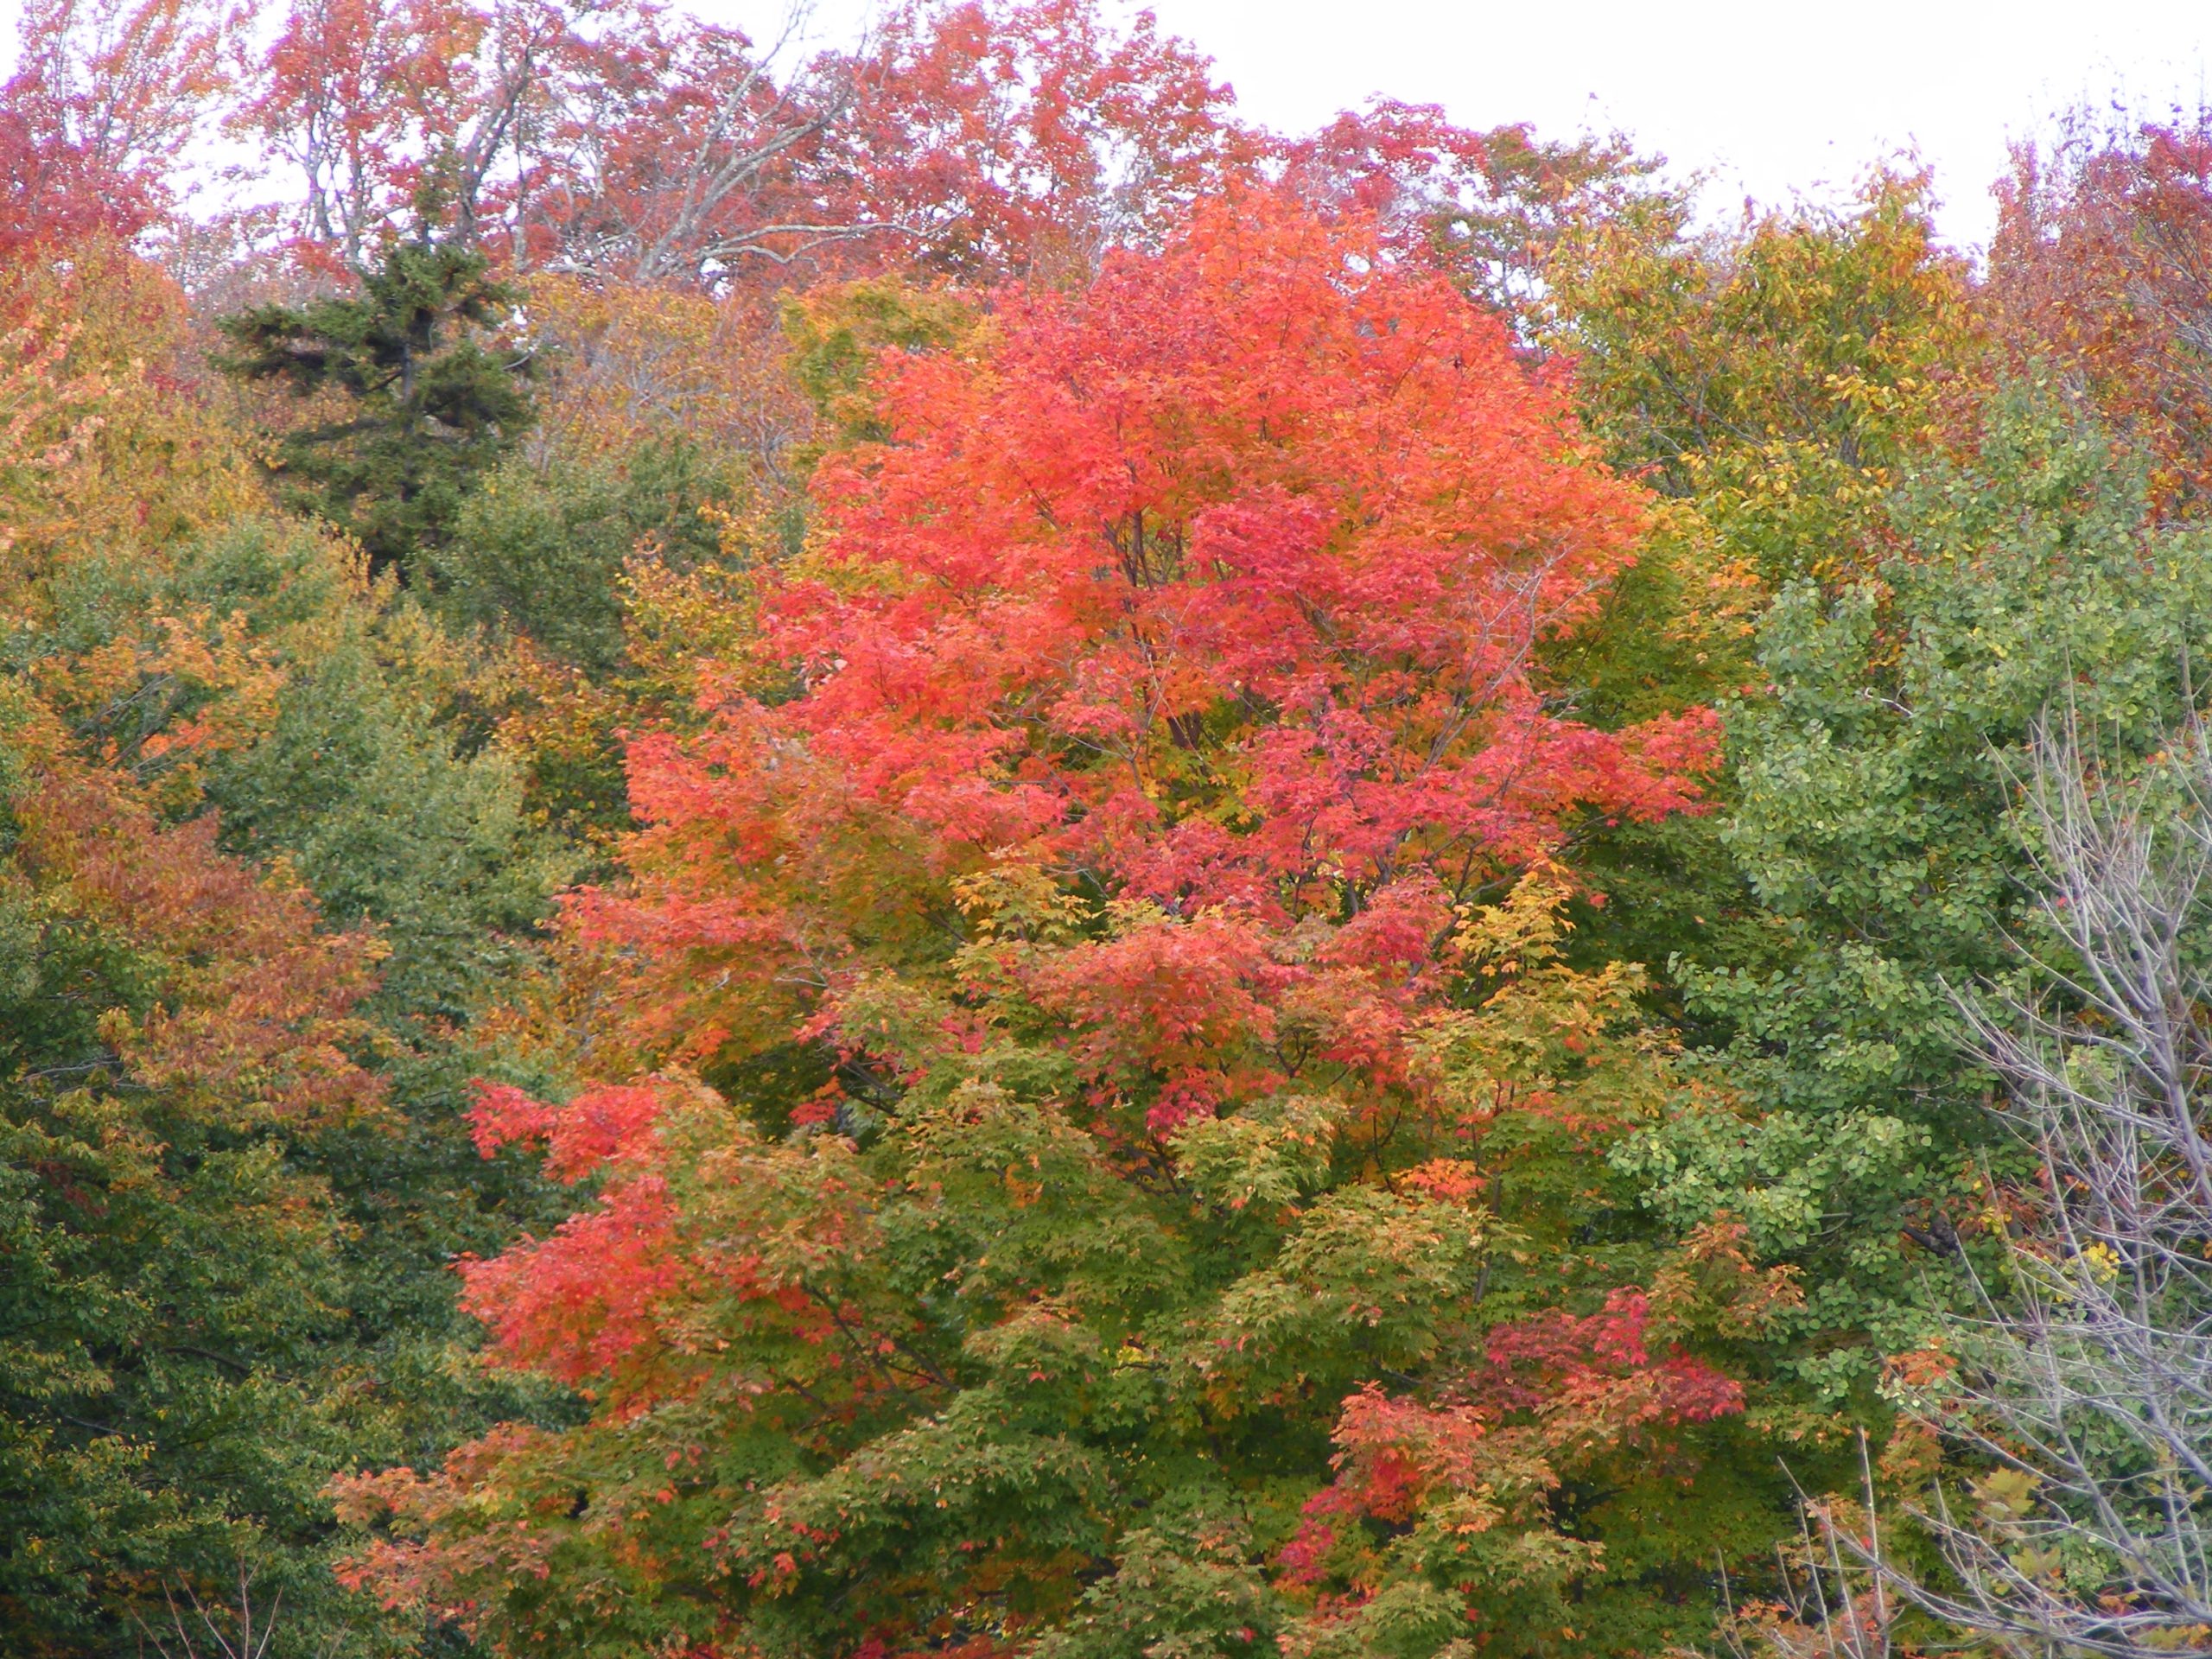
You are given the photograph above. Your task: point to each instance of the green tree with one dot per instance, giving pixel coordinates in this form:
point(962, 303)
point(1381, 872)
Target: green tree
point(365, 783)
point(539, 549)
point(172, 1395)
point(410, 407)
point(1880, 863)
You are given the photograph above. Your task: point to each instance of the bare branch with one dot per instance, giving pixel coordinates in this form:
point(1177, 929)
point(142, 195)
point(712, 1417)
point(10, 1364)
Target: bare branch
point(2084, 1385)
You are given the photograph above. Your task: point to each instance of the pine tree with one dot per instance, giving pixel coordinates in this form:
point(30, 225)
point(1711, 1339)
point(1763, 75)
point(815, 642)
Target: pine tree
point(425, 407)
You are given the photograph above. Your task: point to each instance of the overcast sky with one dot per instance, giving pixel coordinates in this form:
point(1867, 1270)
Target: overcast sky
point(1772, 97)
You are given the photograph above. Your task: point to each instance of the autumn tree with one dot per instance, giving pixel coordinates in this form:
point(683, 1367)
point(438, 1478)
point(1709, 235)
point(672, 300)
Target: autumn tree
point(543, 132)
point(1112, 1148)
point(981, 139)
point(110, 454)
point(624, 195)
point(640, 143)
point(105, 96)
point(399, 121)
point(2102, 270)
point(1778, 375)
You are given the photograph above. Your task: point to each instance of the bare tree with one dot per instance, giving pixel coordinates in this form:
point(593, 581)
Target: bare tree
point(1828, 1603)
point(202, 1627)
point(2085, 1384)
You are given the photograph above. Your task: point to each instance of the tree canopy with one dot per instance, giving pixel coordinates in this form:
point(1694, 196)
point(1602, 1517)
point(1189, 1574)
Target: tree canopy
point(910, 851)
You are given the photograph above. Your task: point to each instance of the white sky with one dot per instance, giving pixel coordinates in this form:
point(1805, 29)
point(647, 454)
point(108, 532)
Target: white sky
point(1774, 98)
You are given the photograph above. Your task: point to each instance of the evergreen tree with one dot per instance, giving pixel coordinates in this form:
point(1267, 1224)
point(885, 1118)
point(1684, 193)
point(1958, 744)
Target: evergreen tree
point(424, 408)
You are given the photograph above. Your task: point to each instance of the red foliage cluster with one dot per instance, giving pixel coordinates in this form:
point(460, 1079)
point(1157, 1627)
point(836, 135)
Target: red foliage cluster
point(1557, 1390)
point(1600, 1366)
point(1220, 585)
point(258, 1015)
point(2103, 266)
point(977, 139)
point(104, 95)
point(984, 139)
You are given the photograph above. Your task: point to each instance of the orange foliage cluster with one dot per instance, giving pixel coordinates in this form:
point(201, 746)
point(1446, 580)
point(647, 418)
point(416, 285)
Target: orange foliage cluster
point(1219, 584)
point(2102, 270)
point(257, 1020)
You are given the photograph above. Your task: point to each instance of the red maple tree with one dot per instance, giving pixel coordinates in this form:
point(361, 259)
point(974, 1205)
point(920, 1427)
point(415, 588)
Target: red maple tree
point(1219, 587)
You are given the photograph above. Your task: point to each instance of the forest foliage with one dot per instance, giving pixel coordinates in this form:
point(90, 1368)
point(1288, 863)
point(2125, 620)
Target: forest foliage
point(910, 851)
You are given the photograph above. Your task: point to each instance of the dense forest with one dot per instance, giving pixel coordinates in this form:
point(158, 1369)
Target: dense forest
point(852, 854)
